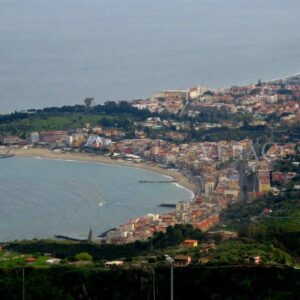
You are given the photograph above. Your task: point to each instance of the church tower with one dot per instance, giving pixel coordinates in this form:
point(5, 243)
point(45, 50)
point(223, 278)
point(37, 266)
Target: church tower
point(90, 237)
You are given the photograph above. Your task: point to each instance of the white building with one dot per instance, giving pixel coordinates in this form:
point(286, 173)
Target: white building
point(96, 141)
point(195, 92)
point(34, 137)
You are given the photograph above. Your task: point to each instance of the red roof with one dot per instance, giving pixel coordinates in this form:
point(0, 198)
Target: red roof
point(190, 241)
point(53, 132)
point(31, 259)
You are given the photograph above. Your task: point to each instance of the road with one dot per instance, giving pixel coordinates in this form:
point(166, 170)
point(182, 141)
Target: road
point(246, 178)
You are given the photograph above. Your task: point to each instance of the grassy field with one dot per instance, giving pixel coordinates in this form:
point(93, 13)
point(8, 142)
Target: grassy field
point(51, 122)
point(61, 122)
point(16, 260)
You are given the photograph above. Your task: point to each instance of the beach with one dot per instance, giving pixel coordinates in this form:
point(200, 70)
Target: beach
point(180, 179)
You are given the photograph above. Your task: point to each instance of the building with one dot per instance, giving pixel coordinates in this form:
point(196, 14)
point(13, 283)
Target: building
point(190, 243)
point(114, 263)
point(257, 260)
point(278, 177)
point(209, 187)
point(116, 236)
point(267, 211)
point(52, 136)
point(97, 130)
point(77, 139)
point(223, 235)
point(263, 178)
point(30, 259)
point(53, 261)
point(207, 223)
point(34, 137)
point(207, 246)
point(10, 140)
point(197, 91)
point(182, 206)
point(95, 141)
point(264, 185)
point(182, 260)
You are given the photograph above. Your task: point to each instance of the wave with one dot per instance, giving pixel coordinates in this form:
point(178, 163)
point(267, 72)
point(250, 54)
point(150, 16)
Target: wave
point(192, 195)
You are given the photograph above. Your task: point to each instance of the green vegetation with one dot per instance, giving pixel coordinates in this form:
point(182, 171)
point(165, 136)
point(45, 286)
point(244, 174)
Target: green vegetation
point(111, 114)
point(243, 251)
point(83, 256)
point(225, 271)
point(122, 115)
point(224, 133)
point(215, 116)
point(287, 165)
point(51, 122)
point(71, 249)
point(66, 283)
point(176, 235)
point(173, 237)
point(17, 260)
point(281, 228)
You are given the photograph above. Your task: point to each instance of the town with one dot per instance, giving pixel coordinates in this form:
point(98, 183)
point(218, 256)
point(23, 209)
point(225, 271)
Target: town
point(207, 135)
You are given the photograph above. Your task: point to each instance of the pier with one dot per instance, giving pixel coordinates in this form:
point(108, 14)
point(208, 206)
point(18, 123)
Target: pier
point(6, 155)
point(63, 237)
point(171, 205)
point(157, 181)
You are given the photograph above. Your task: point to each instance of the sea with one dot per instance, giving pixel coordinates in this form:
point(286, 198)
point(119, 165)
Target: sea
point(41, 198)
point(58, 52)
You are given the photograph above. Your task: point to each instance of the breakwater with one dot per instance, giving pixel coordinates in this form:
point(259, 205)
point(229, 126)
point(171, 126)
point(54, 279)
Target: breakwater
point(157, 181)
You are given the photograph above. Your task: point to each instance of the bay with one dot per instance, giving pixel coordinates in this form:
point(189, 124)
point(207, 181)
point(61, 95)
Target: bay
point(41, 198)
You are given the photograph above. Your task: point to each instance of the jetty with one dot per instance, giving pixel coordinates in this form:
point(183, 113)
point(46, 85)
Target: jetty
point(172, 205)
point(67, 238)
point(157, 181)
point(6, 155)
point(104, 234)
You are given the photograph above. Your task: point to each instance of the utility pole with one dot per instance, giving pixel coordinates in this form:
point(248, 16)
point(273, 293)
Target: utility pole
point(153, 284)
point(172, 282)
point(23, 284)
point(151, 244)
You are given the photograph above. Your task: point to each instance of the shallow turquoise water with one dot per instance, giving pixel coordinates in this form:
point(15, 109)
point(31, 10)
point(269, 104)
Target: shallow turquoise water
point(41, 198)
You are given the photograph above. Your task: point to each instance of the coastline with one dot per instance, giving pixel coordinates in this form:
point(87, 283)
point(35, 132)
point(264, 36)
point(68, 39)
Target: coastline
point(181, 180)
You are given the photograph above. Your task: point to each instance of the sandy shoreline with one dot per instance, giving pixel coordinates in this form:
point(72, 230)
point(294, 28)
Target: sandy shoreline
point(46, 153)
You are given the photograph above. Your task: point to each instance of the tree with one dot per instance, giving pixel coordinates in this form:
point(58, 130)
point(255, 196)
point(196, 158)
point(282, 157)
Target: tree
point(83, 256)
point(88, 102)
point(208, 93)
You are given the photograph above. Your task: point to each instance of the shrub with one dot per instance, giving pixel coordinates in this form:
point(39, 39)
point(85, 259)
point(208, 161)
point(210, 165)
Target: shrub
point(83, 256)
